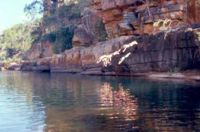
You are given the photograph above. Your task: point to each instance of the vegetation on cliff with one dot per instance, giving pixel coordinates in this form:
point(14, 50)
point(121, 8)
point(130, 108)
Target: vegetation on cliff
point(15, 41)
point(59, 21)
point(63, 20)
point(61, 38)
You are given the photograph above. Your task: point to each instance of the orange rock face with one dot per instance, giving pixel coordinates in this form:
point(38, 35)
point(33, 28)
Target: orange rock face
point(162, 52)
point(159, 27)
point(79, 59)
point(40, 50)
point(127, 17)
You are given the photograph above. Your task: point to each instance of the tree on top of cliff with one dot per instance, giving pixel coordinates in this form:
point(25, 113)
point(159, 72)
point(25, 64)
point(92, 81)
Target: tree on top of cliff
point(40, 6)
point(34, 9)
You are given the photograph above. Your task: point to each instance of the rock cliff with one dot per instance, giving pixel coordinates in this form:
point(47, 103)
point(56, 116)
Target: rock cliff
point(126, 37)
point(165, 51)
point(125, 17)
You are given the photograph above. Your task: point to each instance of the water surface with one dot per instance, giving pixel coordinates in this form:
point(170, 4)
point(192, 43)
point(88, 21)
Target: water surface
point(42, 102)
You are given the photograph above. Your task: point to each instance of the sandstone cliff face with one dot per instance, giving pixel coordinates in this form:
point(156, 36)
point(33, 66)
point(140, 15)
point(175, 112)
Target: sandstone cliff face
point(173, 51)
point(163, 52)
point(91, 30)
point(107, 19)
point(160, 27)
point(85, 59)
point(126, 17)
point(40, 50)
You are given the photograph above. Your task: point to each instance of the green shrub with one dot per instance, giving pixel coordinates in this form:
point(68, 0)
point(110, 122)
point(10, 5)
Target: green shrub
point(51, 37)
point(49, 20)
point(63, 39)
point(16, 39)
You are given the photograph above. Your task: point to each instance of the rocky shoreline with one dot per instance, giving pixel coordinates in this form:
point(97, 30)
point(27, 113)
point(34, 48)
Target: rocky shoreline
point(163, 52)
point(162, 55)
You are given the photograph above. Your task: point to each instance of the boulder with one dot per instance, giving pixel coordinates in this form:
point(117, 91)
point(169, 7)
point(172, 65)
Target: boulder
point(91, 30)
point(82, 37)
point(92, 23)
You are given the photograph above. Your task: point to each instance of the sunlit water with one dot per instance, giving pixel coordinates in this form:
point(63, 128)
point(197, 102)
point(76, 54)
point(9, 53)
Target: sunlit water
point(37, 102)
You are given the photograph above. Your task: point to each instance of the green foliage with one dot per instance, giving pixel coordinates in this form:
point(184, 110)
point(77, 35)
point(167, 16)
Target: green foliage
point(16, 40)
point(34, 8)
point(64, 15)
point(63, 39)
point(51, 37)
point(36, 34)
point(49, 20)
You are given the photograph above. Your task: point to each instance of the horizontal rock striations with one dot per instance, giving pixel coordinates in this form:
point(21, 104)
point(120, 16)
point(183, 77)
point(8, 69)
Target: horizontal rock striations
point(166, 51)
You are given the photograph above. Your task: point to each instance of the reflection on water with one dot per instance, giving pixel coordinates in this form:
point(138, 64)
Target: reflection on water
point(120, 100)
point(119, 106)
point(36, 102)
